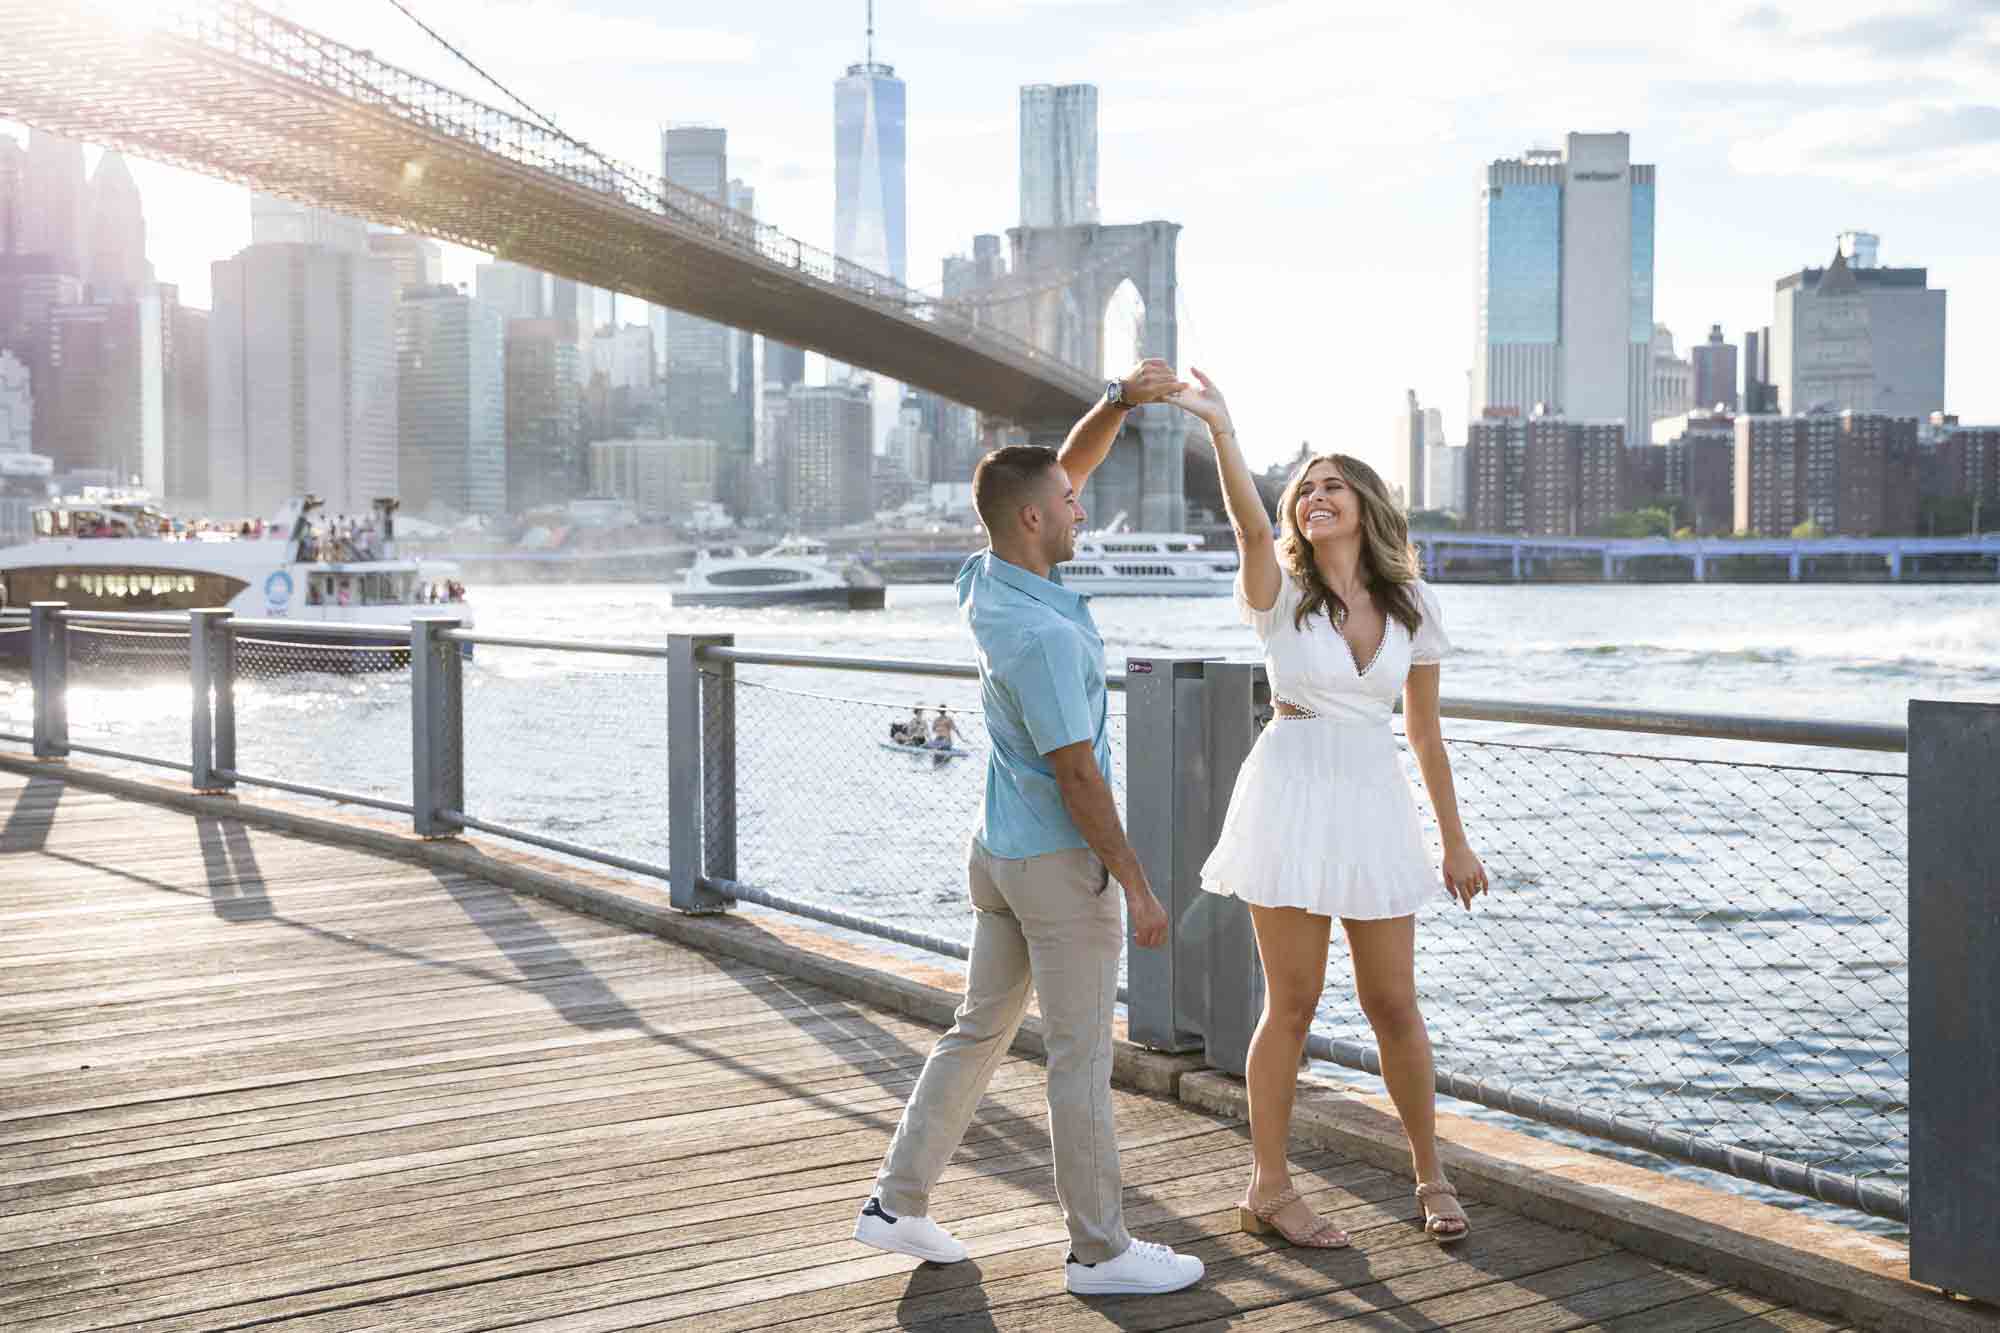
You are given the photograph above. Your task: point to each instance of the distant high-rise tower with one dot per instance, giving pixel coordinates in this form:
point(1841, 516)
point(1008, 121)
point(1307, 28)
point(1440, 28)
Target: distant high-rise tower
point(1407, 472)
point(53, 203)
point(1566, 284)
point(1715, 373)
point(115, 267)
point(868, 145)
point(419, 260)
point(302, 377)
point(275, 221)
point(1058, 154)
point(516, 291)
point(869, 115)
point(13, 171)
point(451, 352)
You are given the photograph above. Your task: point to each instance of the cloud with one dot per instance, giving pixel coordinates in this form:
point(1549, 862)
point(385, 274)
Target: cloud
point(1912, 144)
point(1762, 18)
point(1940, 31)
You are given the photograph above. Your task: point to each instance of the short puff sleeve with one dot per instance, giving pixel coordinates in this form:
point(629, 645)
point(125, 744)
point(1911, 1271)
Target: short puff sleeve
point(1265, 621)
point(1430, 644)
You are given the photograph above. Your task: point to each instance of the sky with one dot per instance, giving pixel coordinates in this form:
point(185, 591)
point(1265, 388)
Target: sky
point(1324, 159)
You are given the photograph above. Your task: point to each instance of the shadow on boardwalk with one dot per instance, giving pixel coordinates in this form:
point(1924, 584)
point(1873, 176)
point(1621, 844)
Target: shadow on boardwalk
point(256, 1080)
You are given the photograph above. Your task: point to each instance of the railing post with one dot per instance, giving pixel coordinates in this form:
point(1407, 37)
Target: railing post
point(437, 729)
point(1166, 784)
point(48, 668)
point(1954, 766)
point(208, 648)
point(695, 811)
point(1234, 699)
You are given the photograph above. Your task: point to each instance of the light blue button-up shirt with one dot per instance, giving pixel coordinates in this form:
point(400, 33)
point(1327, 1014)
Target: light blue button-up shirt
point(1041, 681)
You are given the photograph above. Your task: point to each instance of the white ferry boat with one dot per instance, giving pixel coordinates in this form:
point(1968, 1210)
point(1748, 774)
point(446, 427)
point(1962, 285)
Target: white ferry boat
point(122, 554)
point(796, 572)
point(1115, 563)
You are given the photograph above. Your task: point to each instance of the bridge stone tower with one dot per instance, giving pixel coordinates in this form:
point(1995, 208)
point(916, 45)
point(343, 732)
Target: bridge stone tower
point(1065, 278)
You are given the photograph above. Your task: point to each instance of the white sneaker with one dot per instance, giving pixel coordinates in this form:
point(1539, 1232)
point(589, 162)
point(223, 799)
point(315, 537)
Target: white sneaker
point(916, 1236)
point(1145, 1269)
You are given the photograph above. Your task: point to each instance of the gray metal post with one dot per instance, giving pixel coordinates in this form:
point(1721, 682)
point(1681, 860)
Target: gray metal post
point(718, 764)
point(207, 644)
point(1234, 698)
point(222, 671)
point(437, 728)
point(1954, 859)
point(686, 799)
point(48, 668)
point(1166, 805)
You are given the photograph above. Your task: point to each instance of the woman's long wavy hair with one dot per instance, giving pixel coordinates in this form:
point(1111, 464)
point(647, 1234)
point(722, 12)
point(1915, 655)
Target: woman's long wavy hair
point(1388, 560)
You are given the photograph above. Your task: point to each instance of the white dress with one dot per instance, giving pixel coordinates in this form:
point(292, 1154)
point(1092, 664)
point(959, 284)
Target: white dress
point(1322, 817)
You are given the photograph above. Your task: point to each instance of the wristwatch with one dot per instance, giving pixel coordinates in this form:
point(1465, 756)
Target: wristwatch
point(1114, 394)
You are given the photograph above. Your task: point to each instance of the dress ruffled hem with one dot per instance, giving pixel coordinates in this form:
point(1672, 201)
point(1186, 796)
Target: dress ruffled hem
point(1374, 905)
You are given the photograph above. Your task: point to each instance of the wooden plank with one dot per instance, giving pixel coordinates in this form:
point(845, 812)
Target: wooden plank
point(336, 1091)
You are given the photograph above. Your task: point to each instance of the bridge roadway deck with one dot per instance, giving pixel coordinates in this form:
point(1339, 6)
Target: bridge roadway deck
point(248, 1079)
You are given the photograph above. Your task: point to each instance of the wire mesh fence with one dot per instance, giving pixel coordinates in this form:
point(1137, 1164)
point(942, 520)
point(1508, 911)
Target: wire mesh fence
point(1713, 947)
point(833, 810)
point(17, 695)
point(128, 693)
point(323, 713)
point(570, 746)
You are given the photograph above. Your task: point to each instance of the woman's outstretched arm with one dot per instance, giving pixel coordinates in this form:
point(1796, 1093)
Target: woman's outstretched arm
point(1239, 493)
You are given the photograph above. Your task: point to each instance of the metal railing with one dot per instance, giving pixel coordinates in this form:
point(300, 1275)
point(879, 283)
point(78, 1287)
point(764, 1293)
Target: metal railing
point(1704, 958)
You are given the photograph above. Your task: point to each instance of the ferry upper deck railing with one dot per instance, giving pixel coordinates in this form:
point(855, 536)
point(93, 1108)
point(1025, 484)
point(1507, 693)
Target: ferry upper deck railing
point(1701, 952)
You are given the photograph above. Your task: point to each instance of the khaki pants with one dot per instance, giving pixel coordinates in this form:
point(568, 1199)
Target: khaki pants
point(1052, 921)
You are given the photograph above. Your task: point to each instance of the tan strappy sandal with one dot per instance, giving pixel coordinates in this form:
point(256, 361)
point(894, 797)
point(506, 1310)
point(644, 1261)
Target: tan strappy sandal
point(1433, 1219)
point(1259, 1221)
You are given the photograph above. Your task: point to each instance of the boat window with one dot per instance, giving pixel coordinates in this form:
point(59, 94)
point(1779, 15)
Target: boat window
point(756, 577)
point(103, 588)
point(1145, 571)
point(1085, 571)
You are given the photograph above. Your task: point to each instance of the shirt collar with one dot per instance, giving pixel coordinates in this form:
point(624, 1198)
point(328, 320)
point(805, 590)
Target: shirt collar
point(1042, 590)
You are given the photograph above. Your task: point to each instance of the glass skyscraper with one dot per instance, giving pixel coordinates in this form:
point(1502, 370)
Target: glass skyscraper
point(1565, 300)
point(869, 109)
point(868, 146)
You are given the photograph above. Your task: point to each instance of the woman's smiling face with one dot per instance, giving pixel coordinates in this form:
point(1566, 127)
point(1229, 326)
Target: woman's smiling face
point(1324, 506)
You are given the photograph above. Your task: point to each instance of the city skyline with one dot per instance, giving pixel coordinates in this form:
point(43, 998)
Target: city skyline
point(1864, 152)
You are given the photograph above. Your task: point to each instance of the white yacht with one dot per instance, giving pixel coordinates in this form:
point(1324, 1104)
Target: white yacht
point(796, 572)
point(122, 554)
point(1114, 563)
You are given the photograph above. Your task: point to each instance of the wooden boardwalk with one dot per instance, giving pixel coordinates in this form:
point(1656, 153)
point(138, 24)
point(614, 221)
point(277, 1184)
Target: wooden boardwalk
point(249, 1080)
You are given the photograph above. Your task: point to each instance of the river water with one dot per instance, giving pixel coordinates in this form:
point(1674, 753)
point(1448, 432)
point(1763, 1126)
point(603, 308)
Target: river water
point(1704, 936)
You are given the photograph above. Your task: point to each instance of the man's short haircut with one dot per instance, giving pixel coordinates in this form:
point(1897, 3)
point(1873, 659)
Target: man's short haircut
point(1005, 480)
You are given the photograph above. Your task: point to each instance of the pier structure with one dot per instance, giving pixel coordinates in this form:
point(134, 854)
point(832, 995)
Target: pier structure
point(412, 1052)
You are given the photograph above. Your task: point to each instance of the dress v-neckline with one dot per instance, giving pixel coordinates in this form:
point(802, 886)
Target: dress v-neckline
point(1361, 672)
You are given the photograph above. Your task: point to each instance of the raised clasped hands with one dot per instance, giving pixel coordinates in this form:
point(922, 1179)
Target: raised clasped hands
point(1151, 381)
point(1204, 402)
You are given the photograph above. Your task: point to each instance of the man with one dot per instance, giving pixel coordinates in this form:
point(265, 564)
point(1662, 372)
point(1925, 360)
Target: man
point(1049, 842)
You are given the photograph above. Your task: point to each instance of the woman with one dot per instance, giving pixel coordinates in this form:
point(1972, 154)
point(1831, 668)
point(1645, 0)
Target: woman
point(1322, 823)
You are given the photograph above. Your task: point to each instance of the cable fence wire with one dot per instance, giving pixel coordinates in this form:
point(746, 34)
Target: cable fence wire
point(128, 692)
point(555, 746)
point(17, 692)
point(323, 714)
point(1712, 947)
point(830, 810)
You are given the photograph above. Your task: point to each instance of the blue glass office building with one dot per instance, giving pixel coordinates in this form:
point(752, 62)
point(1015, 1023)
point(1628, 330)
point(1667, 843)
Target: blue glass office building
point(1565, 299)
point(868, 145)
